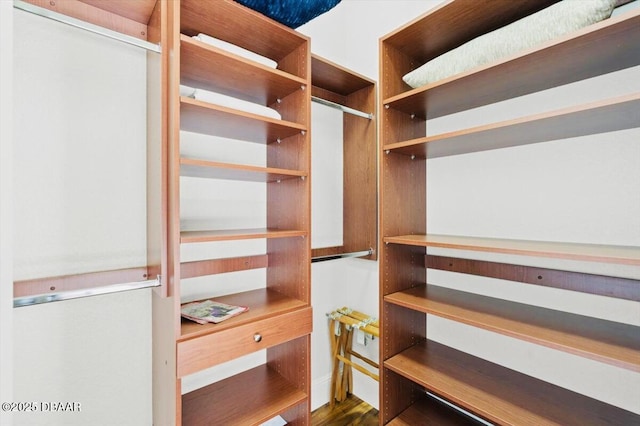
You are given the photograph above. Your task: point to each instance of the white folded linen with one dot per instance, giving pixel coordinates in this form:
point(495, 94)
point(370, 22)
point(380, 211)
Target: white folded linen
point(247, 54)
point(187, 91)
point(229, 102)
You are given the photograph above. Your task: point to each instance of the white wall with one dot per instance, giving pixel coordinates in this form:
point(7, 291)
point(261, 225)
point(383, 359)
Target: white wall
point(6, 209)
point(79, 194)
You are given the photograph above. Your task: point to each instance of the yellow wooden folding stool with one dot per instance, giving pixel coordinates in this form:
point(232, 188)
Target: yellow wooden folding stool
point(342, 324)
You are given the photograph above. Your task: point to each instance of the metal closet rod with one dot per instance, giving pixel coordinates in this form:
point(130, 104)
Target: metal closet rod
point(342, 255)
point(342, 107)
point(46, 13)
point(19, 302)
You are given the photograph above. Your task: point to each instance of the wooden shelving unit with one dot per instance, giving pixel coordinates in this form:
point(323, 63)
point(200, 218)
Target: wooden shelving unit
point(411, 363)
point(343, 87)
point(216, 120)
point(587, 252)
point(605, 341)
point(496, 393)
point(279, 318)
point(265, 395)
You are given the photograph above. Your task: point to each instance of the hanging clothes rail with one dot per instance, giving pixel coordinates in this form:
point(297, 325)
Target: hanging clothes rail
point(76, 294)
point(40, 11)
point(342, 255)
point(343, 108)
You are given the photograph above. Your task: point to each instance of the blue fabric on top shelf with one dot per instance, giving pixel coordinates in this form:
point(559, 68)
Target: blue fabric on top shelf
point(291, 13)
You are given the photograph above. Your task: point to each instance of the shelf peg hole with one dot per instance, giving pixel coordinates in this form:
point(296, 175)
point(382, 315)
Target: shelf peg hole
point(539, 277)
point(52, 288)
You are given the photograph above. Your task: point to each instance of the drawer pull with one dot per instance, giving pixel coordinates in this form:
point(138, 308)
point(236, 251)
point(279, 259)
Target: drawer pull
point(257, 337)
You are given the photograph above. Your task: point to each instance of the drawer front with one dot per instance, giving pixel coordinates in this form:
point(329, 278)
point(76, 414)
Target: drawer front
point(203, 352)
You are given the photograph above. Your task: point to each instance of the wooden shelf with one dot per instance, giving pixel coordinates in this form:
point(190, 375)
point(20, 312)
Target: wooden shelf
point(274, 317)
point(330, 76)
point(499, 394)
point(132, 18)
point(427, 411)
point(207, 67)
point(626, 255)
point(201, 268)
point(215, 120)
point(215, 170)
point(599, 117)
point(263, 303)
point(423, 38)
point(238, 234)
point(265, 394)
point(239, 25)
point(563, 61)
point(604, 341)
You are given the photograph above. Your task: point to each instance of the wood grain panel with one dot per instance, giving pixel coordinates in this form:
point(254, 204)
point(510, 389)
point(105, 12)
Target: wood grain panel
point(231, 342)
point(429, 412)
point(336, 78)
point(604, 341)
point(216, 120)
point(360, 152)
point(201, 268)
point(498, 394)
point(598, 117)
point(429, 35)
point(328, 95)
point(620, 288)
point(57, 284)
point(397, 393)
point(238, 234)
point(394, 64)
point(88, 13)
point(264, 394)
point(625, 255)
point(239, 25)
point(564, 60)
point(403, 195)
point(207, 67)
point(138, 10)
point(215, 170)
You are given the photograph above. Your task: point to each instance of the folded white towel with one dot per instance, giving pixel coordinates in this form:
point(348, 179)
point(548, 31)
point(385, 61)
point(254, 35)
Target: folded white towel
point(187, 91)
point(247, 54)
point(229, 102)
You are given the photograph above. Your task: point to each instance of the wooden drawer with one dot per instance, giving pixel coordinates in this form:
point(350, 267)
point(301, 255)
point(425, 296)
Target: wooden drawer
point(206, 351)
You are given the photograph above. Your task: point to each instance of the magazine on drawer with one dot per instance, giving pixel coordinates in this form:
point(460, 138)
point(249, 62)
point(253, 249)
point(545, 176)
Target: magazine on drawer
point(206, 311)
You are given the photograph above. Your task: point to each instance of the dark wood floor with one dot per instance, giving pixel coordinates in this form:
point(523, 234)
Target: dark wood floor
point(352, 411)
